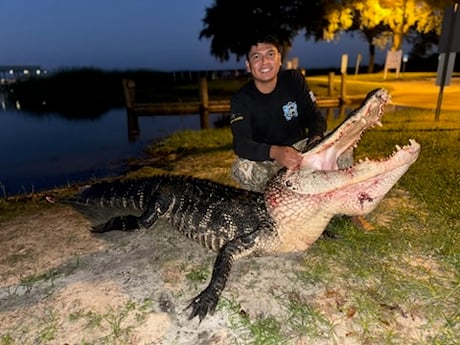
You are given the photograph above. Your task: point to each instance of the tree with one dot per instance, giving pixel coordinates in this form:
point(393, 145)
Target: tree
point(366, 18)
point(382, 21)
point(231, 24)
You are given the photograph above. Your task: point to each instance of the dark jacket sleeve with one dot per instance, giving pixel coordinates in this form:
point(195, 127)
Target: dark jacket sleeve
point(240, 123)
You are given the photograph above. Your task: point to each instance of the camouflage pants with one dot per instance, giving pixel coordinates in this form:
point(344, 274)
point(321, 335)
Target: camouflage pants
point(253, 175)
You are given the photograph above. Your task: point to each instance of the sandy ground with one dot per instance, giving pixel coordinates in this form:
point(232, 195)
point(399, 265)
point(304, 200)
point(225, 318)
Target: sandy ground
point(60, 284)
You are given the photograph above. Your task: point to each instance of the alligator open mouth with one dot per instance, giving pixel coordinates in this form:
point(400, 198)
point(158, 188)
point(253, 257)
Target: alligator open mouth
point(325, 155)
point(303, 201)
point(320, 172)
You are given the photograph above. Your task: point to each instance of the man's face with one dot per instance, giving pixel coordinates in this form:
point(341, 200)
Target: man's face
point(263, 62)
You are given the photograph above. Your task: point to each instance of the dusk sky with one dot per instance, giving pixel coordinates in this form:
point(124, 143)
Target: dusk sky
point(122, 34)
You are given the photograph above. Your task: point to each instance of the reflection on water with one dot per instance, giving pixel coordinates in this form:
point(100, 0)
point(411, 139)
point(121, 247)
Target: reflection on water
point(43, 151)
point(47, 150)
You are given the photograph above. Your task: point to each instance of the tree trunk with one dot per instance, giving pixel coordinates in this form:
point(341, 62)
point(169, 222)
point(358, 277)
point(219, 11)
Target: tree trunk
point(397, 41)
point(370, 66)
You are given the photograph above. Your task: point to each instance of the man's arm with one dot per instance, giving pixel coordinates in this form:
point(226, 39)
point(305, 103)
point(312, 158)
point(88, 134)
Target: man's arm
point(243, 144)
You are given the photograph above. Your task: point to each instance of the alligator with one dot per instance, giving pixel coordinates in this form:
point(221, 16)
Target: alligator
point(289, 216)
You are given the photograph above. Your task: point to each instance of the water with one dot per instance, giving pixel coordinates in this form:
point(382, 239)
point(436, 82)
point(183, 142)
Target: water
point(44, 151)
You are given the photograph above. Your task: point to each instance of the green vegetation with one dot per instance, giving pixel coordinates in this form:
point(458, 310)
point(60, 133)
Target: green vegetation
point(407, 268)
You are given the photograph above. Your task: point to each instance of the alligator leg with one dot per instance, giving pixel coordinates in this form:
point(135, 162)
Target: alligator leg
point(158, 205)
point(123, 223)
point(206, 301)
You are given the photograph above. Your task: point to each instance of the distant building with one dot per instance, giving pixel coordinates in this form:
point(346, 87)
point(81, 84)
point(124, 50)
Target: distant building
point(11, 73)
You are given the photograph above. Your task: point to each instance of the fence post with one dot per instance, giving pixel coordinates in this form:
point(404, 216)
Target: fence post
point(330, 90)
point(129, 89)
point(133, 127)
point(343, 88)
point(204, 103)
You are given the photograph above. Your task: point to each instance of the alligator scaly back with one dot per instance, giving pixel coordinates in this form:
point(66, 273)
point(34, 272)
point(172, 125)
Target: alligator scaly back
point(222, 218)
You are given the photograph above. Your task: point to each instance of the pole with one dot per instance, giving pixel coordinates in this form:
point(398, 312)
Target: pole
point(446, 62)
point(204, 103)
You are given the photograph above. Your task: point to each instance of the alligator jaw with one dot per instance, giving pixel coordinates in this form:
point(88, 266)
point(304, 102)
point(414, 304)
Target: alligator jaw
point(324, 156)
point(302, 202)
point(320, 173)
point(366, 177)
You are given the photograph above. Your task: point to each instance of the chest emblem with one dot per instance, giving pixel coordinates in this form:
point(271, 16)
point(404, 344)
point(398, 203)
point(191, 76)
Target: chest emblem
point(290, 110)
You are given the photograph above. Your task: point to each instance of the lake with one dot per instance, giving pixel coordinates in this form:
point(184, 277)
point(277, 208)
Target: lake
point(44, 151)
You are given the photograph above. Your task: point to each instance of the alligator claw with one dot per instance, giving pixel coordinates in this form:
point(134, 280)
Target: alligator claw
point(111, 224)
point(99, 228)
point(122, 223)
point(203, 304)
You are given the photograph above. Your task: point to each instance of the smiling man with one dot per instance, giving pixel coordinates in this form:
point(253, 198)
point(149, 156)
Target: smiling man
point(273, 117)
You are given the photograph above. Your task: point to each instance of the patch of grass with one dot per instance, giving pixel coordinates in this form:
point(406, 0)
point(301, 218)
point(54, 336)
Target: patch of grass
point(116, 324)
point(259, 331)
point(29, 281)
point(15, 206)
point(7, 339)
point(361, 84)
point(198, 275)
point(49, 329)
point(193, 142)
point(306, 321)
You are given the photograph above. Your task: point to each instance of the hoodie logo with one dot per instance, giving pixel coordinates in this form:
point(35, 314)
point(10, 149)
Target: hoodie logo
point(290, 110)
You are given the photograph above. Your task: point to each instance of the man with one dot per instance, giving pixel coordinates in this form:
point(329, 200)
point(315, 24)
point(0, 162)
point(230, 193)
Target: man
point(270, 117)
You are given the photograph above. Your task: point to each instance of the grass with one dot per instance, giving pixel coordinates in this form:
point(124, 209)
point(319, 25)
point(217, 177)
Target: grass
point(404, 272)
point(361, 84)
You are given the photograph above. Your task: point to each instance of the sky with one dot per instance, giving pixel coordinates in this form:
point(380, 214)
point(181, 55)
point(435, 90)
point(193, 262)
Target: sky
point(134, 34)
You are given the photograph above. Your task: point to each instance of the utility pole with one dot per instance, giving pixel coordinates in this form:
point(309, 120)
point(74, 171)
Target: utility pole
point(449, 45)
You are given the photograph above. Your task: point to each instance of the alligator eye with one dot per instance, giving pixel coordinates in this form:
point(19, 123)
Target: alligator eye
point(288, 184)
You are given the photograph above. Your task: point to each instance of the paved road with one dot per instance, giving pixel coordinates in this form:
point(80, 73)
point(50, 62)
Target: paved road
point(424, 94)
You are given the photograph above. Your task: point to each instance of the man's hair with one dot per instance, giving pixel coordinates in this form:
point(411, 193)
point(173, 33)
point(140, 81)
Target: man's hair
point(262, 38)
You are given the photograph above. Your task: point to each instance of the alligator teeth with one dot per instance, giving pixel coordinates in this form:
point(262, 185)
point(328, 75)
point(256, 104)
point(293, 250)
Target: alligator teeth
point(398, 147)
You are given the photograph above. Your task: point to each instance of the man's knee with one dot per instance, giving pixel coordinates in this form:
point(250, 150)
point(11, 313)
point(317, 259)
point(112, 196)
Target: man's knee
point(253, 175)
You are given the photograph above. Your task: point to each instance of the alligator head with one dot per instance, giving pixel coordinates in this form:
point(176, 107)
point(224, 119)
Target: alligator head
point(312, 195)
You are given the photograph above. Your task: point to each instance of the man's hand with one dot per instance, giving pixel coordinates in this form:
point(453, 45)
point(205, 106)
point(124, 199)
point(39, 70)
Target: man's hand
point(287, 156)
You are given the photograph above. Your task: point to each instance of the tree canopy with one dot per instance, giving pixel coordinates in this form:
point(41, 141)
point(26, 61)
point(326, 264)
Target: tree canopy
point(230, 24)
point(396, 18)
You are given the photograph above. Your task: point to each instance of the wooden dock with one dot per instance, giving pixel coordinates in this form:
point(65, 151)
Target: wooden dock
point(212, 106)
point(203, 107)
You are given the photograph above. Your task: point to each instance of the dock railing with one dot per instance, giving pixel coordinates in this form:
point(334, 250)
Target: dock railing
point(205, 106)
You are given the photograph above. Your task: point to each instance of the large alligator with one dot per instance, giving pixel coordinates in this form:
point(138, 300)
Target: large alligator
point(289, 216)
